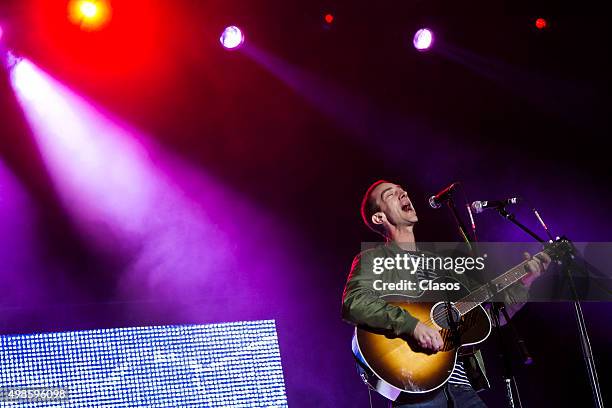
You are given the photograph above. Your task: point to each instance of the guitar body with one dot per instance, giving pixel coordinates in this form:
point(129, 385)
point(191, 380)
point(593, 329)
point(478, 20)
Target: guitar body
point(402, 364)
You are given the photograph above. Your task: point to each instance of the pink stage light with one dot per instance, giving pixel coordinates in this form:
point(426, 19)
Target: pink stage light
point(423, 39)
point(232, 37)
point(181, 228)
point(112, 188)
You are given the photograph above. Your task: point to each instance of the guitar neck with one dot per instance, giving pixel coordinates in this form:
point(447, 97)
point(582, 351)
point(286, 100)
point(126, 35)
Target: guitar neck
point(487, 291)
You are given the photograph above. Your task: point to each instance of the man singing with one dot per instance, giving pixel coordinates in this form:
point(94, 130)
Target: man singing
point(387, 210)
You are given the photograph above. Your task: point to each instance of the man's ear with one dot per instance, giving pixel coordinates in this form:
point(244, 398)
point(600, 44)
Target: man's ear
point(378, 218)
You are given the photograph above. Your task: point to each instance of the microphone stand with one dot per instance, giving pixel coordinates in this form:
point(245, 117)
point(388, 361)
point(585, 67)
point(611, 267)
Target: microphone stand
point(585, 343)
point(498, 309)
point(450, 203)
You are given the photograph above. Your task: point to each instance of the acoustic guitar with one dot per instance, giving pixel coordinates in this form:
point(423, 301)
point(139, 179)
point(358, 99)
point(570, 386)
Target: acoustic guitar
point(402, 366)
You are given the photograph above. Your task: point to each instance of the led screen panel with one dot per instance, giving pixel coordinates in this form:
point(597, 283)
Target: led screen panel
point(216, 365)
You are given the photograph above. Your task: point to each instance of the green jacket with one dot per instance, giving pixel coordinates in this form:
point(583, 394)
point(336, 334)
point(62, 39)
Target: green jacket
point(362, 305)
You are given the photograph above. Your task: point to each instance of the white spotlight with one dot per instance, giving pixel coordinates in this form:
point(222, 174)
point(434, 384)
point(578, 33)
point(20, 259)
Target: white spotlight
point(423, 39)
point(232, 37)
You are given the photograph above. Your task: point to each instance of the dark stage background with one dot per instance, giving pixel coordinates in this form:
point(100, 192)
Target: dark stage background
point(280, 140)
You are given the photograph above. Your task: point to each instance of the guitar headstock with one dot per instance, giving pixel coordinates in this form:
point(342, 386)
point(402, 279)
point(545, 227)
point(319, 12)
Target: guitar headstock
point(558, 248)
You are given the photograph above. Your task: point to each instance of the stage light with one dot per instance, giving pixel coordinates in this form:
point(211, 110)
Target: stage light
point(1, 32)
point(541, 23)
point(232, 38)
point(423, 39)
point(102, 170)
point(120, 188)
point(89, 14)
point(329, 18)
point(10, 60)
point(88, 9)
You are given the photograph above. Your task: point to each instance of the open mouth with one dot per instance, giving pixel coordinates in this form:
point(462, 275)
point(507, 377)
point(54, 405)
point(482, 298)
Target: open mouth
point(406, 207)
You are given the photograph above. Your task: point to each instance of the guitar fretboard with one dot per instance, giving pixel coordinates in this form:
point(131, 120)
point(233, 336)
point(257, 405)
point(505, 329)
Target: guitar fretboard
point(487, 291)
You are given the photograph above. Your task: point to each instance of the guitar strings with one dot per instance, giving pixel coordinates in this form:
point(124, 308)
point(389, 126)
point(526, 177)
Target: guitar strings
point(442, 313)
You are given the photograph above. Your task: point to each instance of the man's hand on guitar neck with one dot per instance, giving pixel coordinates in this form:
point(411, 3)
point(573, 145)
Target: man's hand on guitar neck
point(428, 337)
point(536, 266)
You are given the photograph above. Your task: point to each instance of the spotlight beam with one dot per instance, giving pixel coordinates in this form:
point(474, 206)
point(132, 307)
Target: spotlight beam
point(107, 181)
point(180, 227)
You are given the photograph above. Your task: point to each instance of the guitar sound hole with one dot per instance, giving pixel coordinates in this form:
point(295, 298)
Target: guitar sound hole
point(442, 317)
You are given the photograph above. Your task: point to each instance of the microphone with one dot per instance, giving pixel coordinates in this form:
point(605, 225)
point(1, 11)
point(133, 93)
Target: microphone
point(435, 201)
point(480, 206)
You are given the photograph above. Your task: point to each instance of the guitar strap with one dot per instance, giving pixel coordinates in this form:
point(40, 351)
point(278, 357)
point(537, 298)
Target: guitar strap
point(382, 387)
point(467, 351)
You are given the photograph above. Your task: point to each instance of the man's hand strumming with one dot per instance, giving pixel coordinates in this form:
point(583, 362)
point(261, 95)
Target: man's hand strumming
point(428, 337)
